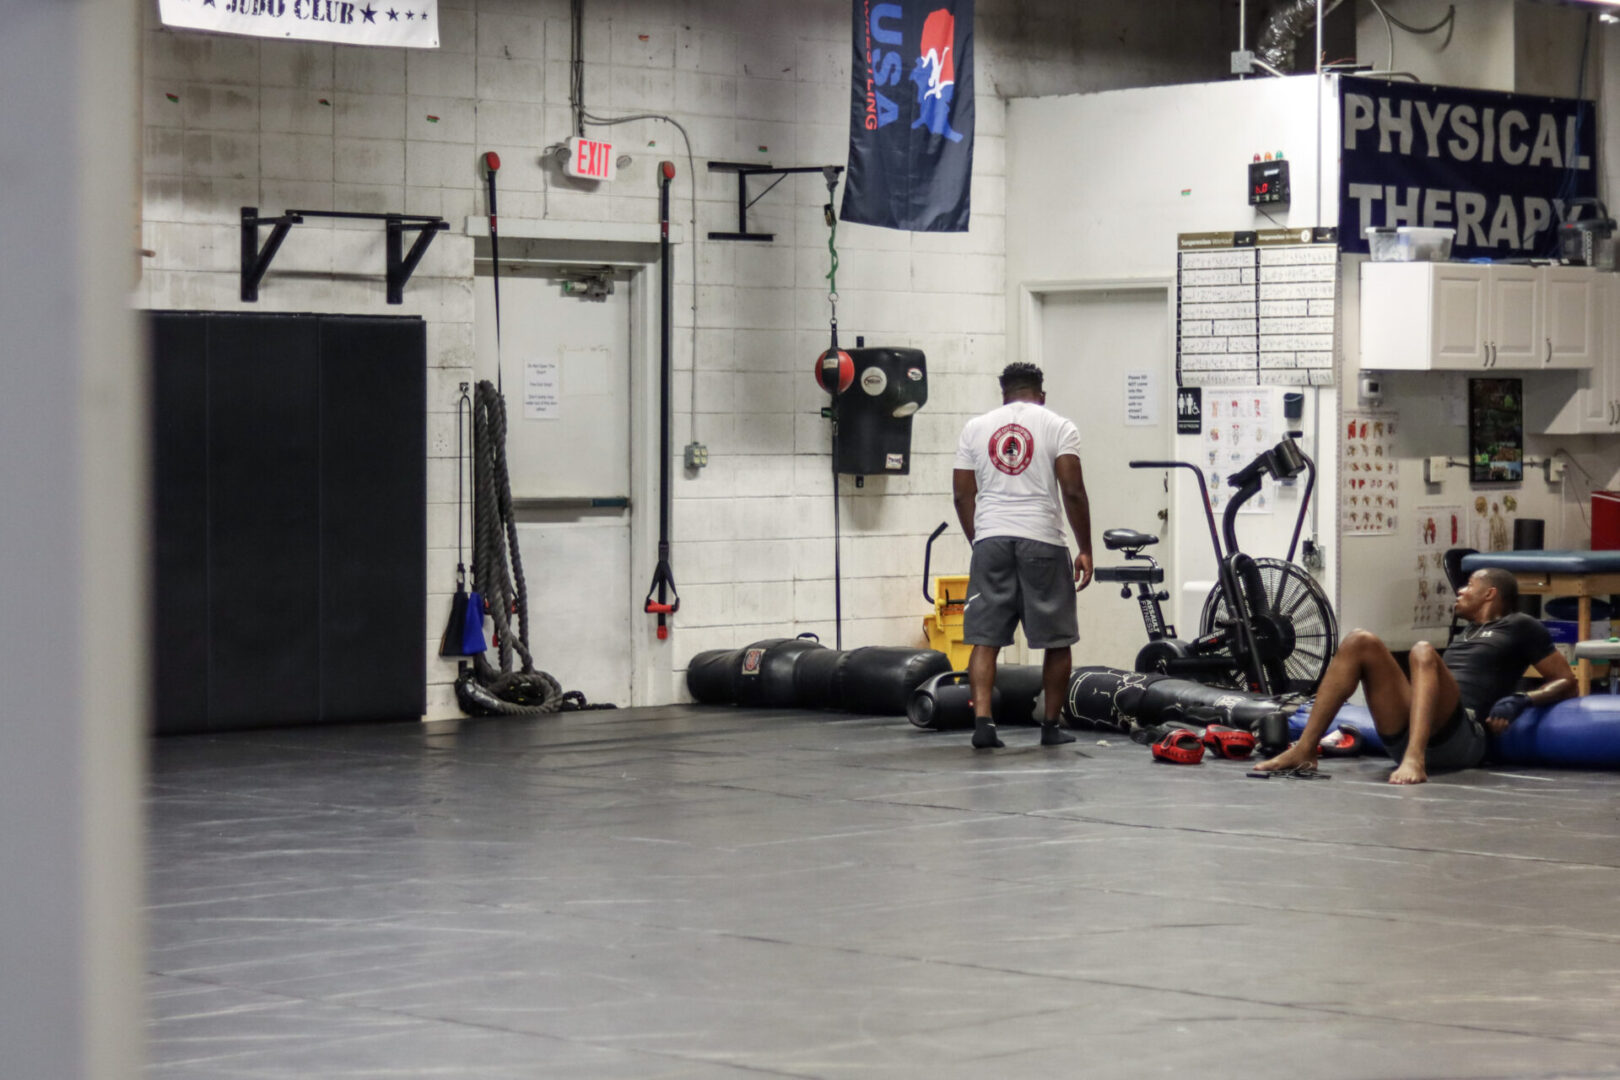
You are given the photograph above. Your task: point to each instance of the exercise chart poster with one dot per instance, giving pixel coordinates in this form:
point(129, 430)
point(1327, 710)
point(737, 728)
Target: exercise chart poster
point(1438, 528)
point(1370, 486)
point(1238, 426)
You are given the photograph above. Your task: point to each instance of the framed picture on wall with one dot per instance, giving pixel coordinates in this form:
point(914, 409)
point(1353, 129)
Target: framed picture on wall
point(1495, 430)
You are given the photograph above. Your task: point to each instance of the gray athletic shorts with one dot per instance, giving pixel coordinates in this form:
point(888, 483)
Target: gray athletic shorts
point(1463, 747)
point(1012, 580)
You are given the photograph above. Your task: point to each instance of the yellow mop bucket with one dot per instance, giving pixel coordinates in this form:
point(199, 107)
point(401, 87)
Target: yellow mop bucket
point(944, 626)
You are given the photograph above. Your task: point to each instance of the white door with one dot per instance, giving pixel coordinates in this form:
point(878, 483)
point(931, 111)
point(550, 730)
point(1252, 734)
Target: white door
point(1091, 343)
point(565, 362)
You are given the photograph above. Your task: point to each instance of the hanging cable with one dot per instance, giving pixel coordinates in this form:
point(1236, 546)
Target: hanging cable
point(1389, 64)
point(576, 63)
point(492, 162)
point(1449, 19)
point(691, 241)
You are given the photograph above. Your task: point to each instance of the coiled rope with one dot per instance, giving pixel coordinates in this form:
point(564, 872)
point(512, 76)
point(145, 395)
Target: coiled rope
point(516, 687)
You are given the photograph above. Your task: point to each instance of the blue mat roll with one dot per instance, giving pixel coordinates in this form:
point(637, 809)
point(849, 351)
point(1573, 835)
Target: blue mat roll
point(1581, 733)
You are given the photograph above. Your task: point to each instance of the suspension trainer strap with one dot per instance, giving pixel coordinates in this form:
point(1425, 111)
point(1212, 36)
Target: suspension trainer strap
point(668, 600)
point(831, 379)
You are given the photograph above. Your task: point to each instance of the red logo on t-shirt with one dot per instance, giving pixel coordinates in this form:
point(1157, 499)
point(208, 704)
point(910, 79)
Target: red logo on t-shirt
point(1012, 448)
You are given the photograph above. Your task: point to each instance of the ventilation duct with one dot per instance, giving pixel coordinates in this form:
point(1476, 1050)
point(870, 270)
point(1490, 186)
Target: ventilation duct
point(1287, 23)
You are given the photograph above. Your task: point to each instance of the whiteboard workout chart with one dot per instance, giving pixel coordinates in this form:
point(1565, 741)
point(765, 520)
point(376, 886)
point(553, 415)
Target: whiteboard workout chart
point(1257, 308)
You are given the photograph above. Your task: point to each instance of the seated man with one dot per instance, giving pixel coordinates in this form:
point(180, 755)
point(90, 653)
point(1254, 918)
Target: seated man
point(1433, 721)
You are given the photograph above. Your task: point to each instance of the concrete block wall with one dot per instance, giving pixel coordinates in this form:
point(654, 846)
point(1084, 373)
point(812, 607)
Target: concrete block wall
point(232, 121)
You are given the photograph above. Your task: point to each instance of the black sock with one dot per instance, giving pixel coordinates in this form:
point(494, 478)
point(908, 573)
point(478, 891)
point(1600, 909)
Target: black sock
point(1052, 734)
point(984, 734)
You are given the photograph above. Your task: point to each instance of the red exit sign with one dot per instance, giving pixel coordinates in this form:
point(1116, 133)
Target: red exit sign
point(589, 159)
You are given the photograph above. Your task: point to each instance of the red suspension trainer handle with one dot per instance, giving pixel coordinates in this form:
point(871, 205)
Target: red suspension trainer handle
point(663, 581)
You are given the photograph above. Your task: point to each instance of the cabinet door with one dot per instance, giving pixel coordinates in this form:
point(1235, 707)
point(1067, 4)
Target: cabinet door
point(1570, 308)
point(1602, 412)
point(1458, 305)
point(1514, 301)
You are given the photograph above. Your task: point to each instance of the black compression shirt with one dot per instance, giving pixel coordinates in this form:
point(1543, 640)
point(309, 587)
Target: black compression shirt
point(1487, 659)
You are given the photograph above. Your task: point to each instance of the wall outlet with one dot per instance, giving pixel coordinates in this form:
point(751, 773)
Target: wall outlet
point(1434, 469)
point(1555, 470)
point(697, 455)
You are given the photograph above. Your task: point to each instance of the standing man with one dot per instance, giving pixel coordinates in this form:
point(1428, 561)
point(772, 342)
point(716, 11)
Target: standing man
point(1015, 466)
point(1438, 718)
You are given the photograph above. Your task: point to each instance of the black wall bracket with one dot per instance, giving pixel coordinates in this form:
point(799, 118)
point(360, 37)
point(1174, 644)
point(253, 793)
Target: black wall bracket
point(401, 264)
point(744, 171)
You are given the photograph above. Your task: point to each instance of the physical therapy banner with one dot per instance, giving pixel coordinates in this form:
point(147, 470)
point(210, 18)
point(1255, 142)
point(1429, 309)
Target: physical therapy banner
point(410, 24)
point(1498, 168)
point(911, 116)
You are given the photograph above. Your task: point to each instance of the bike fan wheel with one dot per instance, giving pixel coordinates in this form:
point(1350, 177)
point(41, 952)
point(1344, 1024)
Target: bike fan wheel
point(1294, 597)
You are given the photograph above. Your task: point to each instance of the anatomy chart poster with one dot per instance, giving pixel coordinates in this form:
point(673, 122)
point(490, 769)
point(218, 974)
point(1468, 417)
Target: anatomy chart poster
point(1438, 528)
point(1238, 424)
point(1491, 523)
point(1369, 491)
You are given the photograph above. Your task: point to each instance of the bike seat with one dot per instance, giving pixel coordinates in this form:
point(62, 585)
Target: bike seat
point(1117, 539)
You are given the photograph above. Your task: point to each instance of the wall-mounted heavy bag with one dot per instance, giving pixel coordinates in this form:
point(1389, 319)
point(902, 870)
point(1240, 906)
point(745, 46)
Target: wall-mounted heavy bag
point(878, 679)
point(765, 674)
point(815, 679)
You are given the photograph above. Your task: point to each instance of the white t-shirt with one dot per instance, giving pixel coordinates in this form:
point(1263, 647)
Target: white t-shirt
point(1012, 452)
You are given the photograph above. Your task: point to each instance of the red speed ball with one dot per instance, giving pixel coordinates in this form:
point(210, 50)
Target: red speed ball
point(846, 371)
point(493, 160)
point(668, 169)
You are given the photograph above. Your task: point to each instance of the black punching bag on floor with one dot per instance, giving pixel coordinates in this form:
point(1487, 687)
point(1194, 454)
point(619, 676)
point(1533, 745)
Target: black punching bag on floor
point(874, 414)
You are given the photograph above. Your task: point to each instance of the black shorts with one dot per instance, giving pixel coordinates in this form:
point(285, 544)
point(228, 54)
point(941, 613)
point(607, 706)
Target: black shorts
point(1014, 580)
point(1459, 744)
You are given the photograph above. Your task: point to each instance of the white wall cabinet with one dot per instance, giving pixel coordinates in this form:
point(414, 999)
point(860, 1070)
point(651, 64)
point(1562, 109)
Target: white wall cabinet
point(1594, 407)
point(1475, 317)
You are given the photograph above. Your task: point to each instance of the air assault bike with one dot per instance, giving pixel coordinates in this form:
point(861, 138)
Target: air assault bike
point(1267, 626)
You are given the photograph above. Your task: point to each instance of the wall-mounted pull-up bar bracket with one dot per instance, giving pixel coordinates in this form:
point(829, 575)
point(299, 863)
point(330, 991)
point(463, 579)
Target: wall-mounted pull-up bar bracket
point(400, 263)
point(744, 171)
point(254, 261)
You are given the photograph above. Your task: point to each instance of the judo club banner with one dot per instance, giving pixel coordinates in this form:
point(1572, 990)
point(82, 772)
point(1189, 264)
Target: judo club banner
point(1499, 168)
point(911, 115)
point(411, 24)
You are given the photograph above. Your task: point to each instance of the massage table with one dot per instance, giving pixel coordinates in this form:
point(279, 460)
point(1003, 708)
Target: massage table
point(1581, 574)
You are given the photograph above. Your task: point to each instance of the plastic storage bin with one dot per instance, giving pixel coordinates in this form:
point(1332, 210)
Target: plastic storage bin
point(1409, 243)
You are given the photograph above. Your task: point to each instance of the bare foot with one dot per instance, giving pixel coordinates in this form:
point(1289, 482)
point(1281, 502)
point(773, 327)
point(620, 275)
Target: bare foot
point(1410, 772)
point(1295, 757)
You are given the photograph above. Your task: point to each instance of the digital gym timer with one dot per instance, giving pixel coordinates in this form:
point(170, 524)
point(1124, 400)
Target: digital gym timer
point(1268, 182)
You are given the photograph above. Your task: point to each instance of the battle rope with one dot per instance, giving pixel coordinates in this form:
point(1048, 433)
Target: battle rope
point(516, 687)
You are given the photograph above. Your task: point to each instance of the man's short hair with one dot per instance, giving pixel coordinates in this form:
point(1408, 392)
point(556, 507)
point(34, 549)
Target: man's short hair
point(1021, 376)
point(1505, 584)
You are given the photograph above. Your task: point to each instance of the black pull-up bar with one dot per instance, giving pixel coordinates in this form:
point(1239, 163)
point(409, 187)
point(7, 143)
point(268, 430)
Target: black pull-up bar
point(401, 264)
point(744, 171)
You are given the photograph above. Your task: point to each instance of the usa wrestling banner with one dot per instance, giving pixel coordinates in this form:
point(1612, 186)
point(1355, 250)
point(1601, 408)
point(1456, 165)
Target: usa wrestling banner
point(409, 24)
point(1499, 168)
point(911, 146)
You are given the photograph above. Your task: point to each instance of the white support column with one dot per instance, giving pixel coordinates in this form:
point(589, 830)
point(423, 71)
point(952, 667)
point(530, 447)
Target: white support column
point(72, 543)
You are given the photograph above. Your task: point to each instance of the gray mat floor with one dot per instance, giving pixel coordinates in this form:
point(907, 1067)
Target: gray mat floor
point(691, 892)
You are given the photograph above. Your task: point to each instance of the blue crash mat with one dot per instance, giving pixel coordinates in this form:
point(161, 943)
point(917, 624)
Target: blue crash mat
point(1581, 733)
point(1545, 562)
